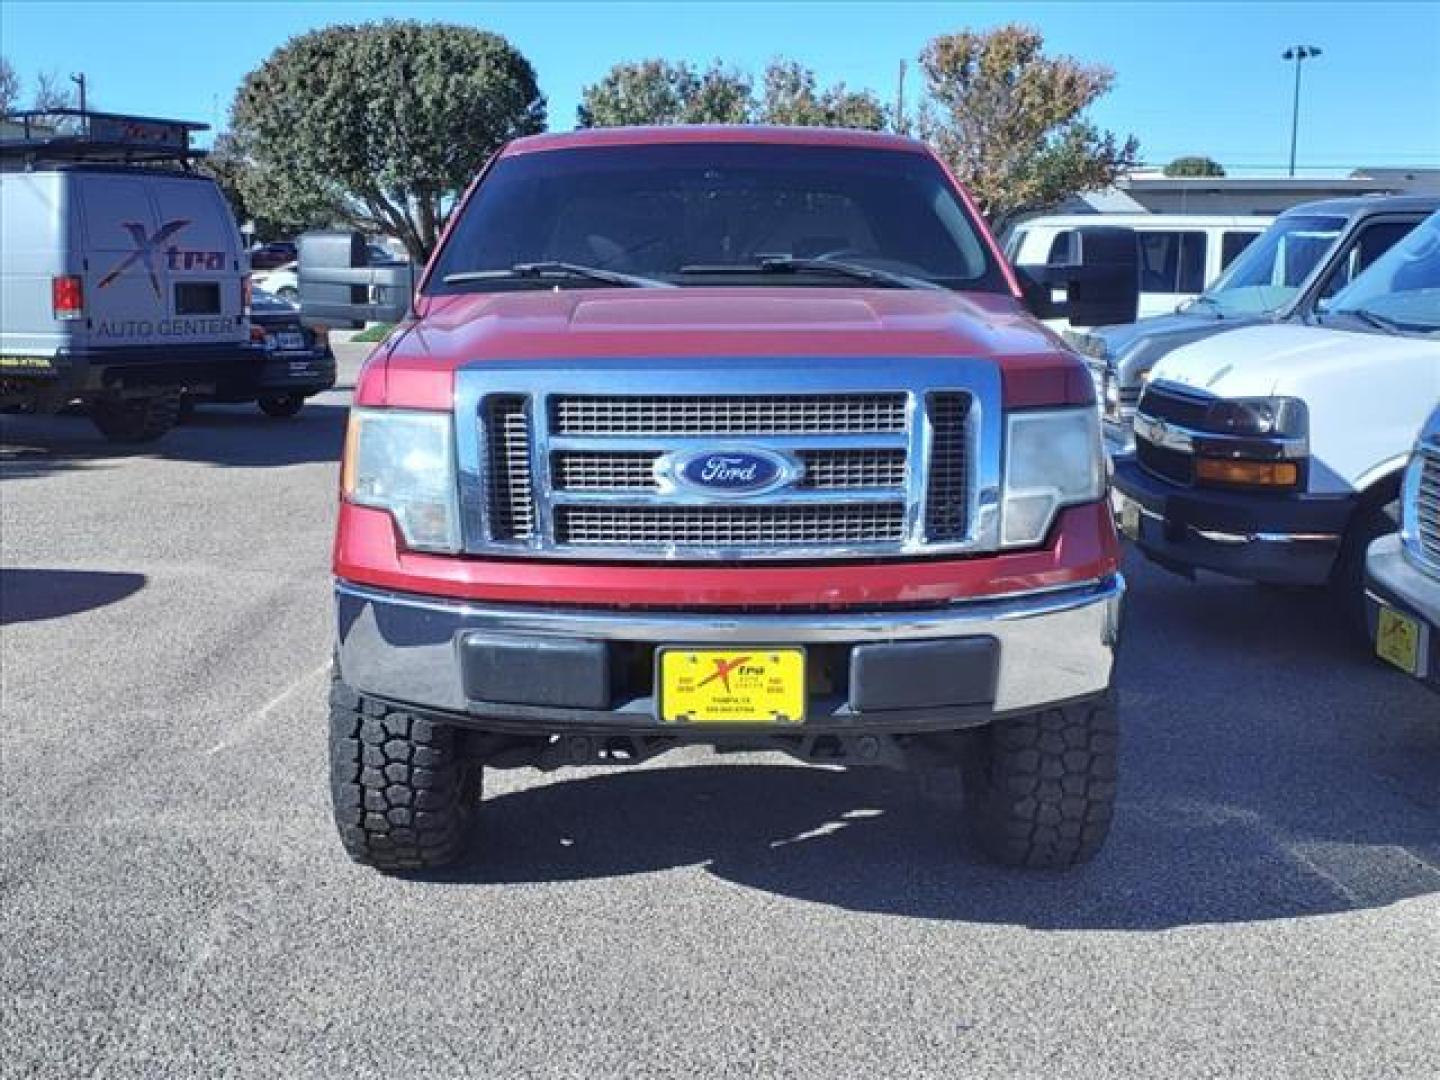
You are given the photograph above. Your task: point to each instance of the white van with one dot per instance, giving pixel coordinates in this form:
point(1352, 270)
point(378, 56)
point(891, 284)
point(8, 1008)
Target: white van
point(1180, 254)
point(120, 285)
point(1275, 452)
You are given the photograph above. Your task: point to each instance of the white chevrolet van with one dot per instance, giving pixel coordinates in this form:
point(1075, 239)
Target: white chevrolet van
point(123, 280)
point(1276, 452)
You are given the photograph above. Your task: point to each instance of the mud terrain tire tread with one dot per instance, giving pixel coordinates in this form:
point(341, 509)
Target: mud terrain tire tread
point(1040, 789)
point(402, 794)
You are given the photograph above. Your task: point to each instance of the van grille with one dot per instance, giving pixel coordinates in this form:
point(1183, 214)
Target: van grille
point(1427, 508)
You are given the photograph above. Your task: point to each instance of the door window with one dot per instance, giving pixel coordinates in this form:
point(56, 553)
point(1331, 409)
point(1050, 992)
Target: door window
point(1373, 241)
point(1232, 244)
point(1172, 262)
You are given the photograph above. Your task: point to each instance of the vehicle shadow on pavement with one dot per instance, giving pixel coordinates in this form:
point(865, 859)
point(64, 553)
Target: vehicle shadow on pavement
point(29, 595)
point(1245, 796)
point(229, 436)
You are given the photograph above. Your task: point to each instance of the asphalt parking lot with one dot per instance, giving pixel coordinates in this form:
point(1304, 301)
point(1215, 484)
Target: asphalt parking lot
point(175, 902)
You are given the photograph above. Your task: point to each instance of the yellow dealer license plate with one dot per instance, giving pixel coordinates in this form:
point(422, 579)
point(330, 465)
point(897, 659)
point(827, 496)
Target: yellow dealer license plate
point(1400, 640)
point(762, 685)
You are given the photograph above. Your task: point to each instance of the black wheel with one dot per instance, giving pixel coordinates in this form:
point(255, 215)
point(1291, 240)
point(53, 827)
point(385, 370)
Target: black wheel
point(136, 420)
point(1040, 789)
point(1373, 519)
point(290, 293)
point(281, 406)
point(402, 793)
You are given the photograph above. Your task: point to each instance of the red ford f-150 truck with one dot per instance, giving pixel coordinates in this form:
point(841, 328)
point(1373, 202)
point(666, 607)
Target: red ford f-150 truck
point(737, 436)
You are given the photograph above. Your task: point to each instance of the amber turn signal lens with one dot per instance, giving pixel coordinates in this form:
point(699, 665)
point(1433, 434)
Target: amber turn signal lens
point(1270, 474)
point(347, 460)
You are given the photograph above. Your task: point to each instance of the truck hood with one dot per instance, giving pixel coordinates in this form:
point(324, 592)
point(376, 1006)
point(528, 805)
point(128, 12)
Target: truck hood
point(1107, 342)
point(577, 325)
point(1281, 358)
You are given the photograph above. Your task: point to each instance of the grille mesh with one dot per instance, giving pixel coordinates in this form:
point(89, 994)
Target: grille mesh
point(1164, 462)
point(828, 470)
point(731, 526)
point(1428, 507)
point(1178, 408)
point(737, 414)
point(605, 471)
point(946, 517)
point(510, 495)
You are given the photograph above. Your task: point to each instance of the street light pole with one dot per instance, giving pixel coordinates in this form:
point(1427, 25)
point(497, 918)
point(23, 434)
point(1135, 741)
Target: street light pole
point(1298, 53)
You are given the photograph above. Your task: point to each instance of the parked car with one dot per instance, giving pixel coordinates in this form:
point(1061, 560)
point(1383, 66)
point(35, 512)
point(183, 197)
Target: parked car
point(296, 362)
point(1275, 452)
point(1180, 254)
point(735, 436)
point(1403, 570)
point(283, 281)
point(274, 254)
point(1310, 253)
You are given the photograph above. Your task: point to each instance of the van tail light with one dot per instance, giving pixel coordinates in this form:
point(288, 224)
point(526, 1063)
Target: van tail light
point(67, 296)
point(247, 293)
point(257, 334)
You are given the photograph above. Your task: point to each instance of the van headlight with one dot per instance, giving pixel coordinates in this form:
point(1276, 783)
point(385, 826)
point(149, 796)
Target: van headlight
point(403, 461)
point(1053, 459)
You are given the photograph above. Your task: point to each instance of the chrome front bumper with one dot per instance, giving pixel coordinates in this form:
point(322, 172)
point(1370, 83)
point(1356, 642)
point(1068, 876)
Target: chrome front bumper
point(1053, 647)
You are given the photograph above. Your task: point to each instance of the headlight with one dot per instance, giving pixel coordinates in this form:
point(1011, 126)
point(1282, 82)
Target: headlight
point(404, 462)
point(1053, 459)
point(1257, 416)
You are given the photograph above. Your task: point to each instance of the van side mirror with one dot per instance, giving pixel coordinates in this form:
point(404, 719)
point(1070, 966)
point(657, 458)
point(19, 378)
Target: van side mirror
point(340, 290)
point(1101, 282)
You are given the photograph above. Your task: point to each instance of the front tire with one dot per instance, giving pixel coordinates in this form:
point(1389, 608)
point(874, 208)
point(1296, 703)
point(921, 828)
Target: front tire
point(136, 420)
point(1373, 519)
point(1040, 789)
point(281, 406)
point(402, 793)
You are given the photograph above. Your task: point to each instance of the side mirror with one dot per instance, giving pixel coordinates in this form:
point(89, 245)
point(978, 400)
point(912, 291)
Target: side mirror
point(1101, 282)
point(339, 290)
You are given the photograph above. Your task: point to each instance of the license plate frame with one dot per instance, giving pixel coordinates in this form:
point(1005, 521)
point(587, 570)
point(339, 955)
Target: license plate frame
point(744, 679)
point(1402, 640)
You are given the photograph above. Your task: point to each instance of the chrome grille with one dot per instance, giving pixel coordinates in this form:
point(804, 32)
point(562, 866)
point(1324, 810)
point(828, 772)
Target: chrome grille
point(734, 414)
point(946, 504)
point(621, 471)
point(839, 470)
point(825, 470)
point(731, 526)
point(1427, 507)
point(510, 494)
point(609, 466)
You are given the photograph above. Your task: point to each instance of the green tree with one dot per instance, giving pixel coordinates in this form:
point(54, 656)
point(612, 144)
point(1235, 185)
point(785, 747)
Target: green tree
point(791, 97)
point(1011, 120)
point(1194, 166)
point(659, 92)
point(380, 126)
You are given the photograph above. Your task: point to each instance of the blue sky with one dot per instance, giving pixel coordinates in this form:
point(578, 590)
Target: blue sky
point(1190, 77)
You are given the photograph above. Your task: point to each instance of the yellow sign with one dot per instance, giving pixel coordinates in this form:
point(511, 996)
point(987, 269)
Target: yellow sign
point(1398, 640)
point(760, 685)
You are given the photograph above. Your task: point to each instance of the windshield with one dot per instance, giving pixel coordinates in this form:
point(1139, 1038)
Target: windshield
point(1268, 273)
point(713, 213)
point(1402, 288)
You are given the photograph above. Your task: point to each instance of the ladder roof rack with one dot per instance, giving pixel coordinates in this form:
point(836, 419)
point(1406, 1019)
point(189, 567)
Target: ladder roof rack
point(72, 136)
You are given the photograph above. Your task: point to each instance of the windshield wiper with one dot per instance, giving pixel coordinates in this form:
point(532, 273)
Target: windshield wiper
point(539, 271)
point(1380, 322)
point(784, 264)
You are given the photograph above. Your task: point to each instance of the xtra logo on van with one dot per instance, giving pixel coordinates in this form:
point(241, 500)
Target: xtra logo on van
point(148, 247)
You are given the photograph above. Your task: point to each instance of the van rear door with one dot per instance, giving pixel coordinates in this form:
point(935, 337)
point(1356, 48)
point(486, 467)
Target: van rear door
point(162, 261)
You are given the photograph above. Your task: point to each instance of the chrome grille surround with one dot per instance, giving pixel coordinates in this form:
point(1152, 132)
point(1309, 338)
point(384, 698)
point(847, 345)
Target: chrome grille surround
point(858, 490)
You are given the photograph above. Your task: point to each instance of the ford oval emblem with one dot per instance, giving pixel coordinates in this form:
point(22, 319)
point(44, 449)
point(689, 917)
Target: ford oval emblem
point(733, 472)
